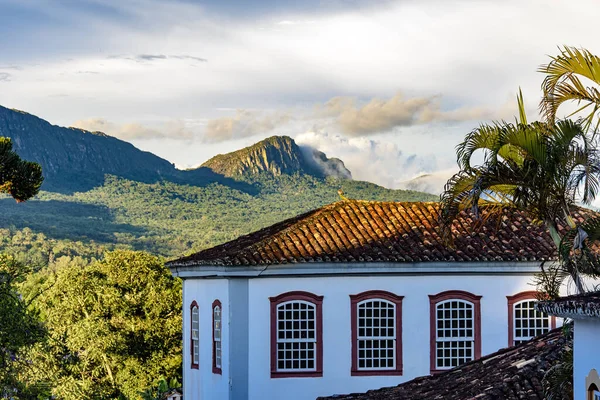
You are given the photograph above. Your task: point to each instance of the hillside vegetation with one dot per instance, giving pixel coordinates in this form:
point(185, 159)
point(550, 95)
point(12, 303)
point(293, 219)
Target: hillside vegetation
point(171, 219)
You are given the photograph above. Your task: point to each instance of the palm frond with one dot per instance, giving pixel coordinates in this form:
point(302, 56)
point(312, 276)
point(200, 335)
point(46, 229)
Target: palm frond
point(562, 82)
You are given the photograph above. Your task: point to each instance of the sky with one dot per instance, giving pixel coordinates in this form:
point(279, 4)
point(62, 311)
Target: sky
point(390, 87)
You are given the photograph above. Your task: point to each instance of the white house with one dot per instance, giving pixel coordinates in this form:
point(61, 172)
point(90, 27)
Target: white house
point(584, 309)
point(354, 296)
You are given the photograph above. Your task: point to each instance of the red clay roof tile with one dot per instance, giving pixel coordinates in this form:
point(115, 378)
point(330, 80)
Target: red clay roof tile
point(363, 231)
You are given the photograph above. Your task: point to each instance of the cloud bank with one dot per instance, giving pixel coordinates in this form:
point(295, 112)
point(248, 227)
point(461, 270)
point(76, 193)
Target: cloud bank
point(382, 115)
point(245, 123)
point(133, 131)
point(372, 160)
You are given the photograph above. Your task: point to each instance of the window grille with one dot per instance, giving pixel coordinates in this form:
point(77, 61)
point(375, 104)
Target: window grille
point(195, 336)
point(296, 336)
point(376, 327)
point(217, 337)
point(455, 333)
point(528, 322)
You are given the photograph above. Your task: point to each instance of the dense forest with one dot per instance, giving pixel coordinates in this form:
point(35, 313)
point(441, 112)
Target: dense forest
point(166, 218)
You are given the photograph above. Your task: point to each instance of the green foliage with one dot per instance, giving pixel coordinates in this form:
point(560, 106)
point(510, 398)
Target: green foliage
point(19, 178)
point(167, 218)
point(115, 326)
point(566, 78)
point(161, 389)
point(19, 328)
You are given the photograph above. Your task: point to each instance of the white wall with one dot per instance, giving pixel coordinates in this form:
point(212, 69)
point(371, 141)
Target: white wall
point(337, 334)
point(201, 383)
point(586, 353)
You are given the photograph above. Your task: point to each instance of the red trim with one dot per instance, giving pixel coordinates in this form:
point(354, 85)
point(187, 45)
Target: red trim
point(215, 369)
point(291, 296)
point(375, 294)
point(511, 301)
point(197, 365)
point(449, 295)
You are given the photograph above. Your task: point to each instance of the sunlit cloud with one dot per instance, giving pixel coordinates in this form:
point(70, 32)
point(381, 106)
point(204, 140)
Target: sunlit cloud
point(131, 131)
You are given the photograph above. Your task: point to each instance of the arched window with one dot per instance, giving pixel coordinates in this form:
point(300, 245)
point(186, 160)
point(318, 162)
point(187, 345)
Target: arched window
point(592, 385)
point(296, 335)
point(455, 329)
point(195, 334)
point(524, 321)
point(376, 333)
point(216, 345)
point(594, 394)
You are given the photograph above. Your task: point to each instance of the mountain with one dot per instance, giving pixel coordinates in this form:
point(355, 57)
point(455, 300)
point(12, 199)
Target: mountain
point(277, 155)
point(74, 158)
point(101, 192)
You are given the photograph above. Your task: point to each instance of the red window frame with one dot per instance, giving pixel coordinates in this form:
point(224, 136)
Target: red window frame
point(374, 295)
point(192, 305)
point(297, 296)
point(434, 299)
point(514, 299)
point(215, 369)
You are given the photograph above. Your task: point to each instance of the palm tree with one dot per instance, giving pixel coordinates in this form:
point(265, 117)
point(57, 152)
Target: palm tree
point(564, 83)
point(539, 168)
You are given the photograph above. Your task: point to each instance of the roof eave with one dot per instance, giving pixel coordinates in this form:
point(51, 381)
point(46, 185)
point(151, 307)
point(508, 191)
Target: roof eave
point(191, 271)
point(573, 310)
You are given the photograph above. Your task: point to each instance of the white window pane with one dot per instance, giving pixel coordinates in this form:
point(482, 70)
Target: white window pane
point(296, 336)
point(528, 322)
point(376, 335)
point(455, 333)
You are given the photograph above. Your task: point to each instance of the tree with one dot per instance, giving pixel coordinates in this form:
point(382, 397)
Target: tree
point(19, 328)
point(115, 327)
point(540, 168)
point(565, 80)
point(19, 178)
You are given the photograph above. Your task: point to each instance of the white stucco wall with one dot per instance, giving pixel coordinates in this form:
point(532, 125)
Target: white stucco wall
point(246, 329)
point(586, 353)
point(201, 383)
point(337, 333)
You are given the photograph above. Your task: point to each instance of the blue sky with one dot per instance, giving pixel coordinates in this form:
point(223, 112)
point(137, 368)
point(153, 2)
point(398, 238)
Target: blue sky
point(388, 86)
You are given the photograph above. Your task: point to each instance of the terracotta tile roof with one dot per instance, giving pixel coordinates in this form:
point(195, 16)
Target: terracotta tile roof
point(371, 231)
point(512, 373)
point(577, 306)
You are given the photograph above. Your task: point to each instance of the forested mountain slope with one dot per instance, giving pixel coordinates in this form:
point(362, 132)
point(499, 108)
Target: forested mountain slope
point(104, 192)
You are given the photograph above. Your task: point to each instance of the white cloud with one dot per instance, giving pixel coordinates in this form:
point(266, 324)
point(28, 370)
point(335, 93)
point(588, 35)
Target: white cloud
point(381, 162)
point(132, 131)
point(245, 123)
point(382, 115)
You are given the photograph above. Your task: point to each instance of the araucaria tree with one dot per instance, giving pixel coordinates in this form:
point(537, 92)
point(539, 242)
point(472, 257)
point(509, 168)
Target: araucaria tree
point(19, 178)
point(541, 168)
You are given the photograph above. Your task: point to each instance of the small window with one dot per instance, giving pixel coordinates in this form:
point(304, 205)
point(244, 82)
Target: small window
point(456, 331)
point(524, 321)
point(296, 335)
point(376, 333)
point(596, 395)
point(195, 335)
point(217, 355)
